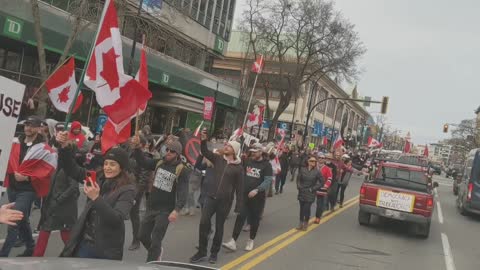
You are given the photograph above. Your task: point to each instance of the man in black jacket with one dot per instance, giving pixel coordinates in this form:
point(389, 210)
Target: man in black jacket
point(166, 199)
point(228, 177)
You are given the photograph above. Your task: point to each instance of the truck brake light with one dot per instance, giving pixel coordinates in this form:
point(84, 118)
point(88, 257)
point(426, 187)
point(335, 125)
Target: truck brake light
point(470, 189)
point(363, 190)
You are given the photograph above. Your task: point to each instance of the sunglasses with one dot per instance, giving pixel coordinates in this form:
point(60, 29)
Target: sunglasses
point(312, 160)
point(171, 151)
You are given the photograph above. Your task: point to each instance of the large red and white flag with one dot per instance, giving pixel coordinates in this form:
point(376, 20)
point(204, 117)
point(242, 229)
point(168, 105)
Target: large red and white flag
point(236, 134)
point(338, 142)
point(257, 66)
point(373, 143)
point(408, 145)
point(110, 137)
point(119, 95)
point(283, 134)
point(255, 117)
point(39, 163)
point(62, 86)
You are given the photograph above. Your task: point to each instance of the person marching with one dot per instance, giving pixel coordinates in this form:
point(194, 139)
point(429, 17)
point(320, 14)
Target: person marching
point(258, 177)
point(100, 230)
point(282, 177)
point(309, 180)
point(59, 210)
point(228, 177)
point(327, 177)
point(167, 197)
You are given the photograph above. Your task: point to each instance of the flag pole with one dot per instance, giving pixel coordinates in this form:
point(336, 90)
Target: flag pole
point(87, 62)
point(251, 96)
point(137, 117)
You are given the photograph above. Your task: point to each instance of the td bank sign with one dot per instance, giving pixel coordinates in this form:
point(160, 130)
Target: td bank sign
point(13, 27)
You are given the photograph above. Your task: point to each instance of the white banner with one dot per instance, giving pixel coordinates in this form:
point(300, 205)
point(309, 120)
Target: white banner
point(11, 95)
point(395, 200)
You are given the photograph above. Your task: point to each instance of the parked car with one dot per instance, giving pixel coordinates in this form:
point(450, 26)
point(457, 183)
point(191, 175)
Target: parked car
point(400, 192)
point(468, 198)
point(79, 263)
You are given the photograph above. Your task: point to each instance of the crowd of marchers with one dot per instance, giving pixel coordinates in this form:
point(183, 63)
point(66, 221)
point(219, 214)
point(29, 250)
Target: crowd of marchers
point(236, 177)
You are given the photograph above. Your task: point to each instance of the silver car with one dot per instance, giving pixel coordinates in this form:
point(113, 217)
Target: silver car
point(87, 264)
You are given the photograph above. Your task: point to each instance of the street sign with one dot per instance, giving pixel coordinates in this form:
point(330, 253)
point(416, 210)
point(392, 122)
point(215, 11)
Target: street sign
point(11, 95)
point(366, 103)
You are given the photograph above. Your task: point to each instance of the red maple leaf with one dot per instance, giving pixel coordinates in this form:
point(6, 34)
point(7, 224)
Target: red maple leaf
point(63, 95)
point(110, 71)
point(252, 117)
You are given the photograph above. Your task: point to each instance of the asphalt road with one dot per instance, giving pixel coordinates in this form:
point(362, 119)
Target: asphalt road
point(339, 242)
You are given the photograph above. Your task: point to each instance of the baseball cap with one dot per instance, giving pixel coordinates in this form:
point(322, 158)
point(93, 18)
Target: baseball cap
point(256, 147)
point(34, 121)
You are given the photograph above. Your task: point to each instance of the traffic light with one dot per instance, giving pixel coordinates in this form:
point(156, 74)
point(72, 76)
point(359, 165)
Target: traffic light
point(384, 105)
point(445, 128)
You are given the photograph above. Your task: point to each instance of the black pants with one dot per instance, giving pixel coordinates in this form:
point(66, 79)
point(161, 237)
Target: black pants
point(220, 209)
point(252, 209)
point(341, 189)
point(135, 212)
point(280, 182)
point(152, 231)
point(332, 196)
point(321, 200)
point(305, 211)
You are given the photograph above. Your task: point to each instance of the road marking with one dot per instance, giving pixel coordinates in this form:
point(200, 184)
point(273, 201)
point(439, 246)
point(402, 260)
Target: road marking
point(274, 241)
point(448, 253)
point(440, 213)
point(294, 238)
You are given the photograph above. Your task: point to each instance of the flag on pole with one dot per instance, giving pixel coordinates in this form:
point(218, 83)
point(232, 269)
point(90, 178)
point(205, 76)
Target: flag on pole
point(338, 142)
point(425, 151)
point(119, 95)
point(236, 134)
point(255, 117)
point(408, 145)
point(373, 143)
point(110, 137)
point(257, 66)
point(198, 130)
point(61, 87)
point(282, 134)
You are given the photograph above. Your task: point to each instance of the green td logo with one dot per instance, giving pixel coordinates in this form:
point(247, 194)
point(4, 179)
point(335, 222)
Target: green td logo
point(165, 78)
point(13, 28)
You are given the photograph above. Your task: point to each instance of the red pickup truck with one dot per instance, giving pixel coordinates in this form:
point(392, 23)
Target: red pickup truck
point(401, 192)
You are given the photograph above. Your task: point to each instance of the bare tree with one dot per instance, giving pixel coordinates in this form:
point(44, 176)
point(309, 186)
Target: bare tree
point(304, 40)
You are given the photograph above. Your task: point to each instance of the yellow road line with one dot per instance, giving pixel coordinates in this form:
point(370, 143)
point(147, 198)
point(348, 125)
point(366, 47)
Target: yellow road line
point(294, 238)
point(272, 242)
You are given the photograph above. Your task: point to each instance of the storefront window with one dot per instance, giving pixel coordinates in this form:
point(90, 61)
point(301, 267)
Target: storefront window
point(13, 60)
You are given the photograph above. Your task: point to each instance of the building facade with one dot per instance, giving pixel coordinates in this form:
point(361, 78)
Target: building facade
point(328, 119)
point(185, 38)
point(440, 152)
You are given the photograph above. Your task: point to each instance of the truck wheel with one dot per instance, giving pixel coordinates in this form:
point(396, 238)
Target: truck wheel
point(363, 217)
point(424, 230)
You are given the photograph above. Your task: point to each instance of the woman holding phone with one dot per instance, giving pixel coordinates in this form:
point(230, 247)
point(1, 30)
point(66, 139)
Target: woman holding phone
point(100, 230)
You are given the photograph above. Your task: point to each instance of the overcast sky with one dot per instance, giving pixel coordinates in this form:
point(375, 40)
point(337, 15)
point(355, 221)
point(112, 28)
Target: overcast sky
point(424, 55)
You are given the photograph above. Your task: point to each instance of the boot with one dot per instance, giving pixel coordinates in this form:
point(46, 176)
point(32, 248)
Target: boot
point(305, 226)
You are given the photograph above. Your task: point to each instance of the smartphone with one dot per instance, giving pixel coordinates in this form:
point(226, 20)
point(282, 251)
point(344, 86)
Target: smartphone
point(91, 177)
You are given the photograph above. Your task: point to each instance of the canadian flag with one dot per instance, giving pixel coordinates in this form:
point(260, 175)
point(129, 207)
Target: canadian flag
point(373, 143)
point(258, 64)
point(236, 134)
point(425, 151)
point(39, 163)
point(408, 145)
point(338, 142)
point(119, 95)
point(256, 116)
point(62, 86)
point(282, 134)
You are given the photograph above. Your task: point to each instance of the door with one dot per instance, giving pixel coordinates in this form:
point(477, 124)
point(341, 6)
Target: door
point(475, 181)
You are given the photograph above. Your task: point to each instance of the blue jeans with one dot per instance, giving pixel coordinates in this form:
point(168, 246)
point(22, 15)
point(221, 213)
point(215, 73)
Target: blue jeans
point(23, 202)
point(86, 250)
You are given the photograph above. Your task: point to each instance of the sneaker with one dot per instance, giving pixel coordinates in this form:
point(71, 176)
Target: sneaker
point(198, 257)
point(246, 228)
point(212, 259)
point(249, 246)
point(230, 245)
point(317, 221)
point(134, 246)
point(191, 211)
point(305, 226)
point(184, 212)
point(300, 226)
